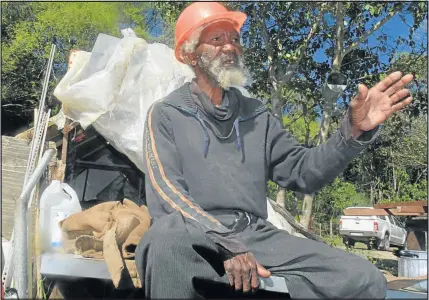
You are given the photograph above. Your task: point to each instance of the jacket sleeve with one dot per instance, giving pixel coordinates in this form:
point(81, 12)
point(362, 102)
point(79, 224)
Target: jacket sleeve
point(307, 170)
point(164, 176)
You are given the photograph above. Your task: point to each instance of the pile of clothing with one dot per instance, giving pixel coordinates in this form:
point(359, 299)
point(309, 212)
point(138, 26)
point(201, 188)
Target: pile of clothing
point(109, 231)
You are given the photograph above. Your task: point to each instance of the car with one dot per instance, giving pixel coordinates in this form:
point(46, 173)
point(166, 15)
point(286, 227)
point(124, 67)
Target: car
point(378, 232)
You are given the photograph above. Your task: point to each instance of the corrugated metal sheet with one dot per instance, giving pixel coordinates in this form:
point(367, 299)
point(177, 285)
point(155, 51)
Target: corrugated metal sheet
point(14, 163)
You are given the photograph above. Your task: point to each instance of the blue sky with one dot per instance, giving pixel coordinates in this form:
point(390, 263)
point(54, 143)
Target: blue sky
point(394, 28)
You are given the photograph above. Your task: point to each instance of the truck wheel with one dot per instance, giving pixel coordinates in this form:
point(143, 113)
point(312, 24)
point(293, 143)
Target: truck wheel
point(386, 243)
point(348, 242)
point(404, 246)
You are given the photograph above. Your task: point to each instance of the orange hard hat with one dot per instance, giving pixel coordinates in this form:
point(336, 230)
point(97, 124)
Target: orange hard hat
point(202, 13)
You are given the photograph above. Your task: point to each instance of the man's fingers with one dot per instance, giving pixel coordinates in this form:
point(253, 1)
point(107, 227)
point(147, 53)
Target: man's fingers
point(229, 272)
point(243, 272)
point(238, 281)
point(400, 84)
point(254, 281)
point(402, 104)
point(230, 279)
point(262, 271)
point(246, 275)
point(399, 95)
point(362, 93)
point(388, 81)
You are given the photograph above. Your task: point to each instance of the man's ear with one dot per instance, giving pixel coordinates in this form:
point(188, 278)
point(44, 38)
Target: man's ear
point(190, 59)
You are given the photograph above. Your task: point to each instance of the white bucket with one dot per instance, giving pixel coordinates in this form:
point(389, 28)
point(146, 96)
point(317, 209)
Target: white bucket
point(414, 267)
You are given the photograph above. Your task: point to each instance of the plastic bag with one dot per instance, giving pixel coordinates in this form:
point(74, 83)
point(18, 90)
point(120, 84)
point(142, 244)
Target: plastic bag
point(115, 99)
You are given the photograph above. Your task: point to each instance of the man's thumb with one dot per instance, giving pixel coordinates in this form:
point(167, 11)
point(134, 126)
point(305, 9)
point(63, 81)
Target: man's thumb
point(362, 92)
point(262, 271)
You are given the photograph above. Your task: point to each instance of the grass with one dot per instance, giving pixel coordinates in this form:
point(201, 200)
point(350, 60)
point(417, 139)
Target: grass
point(383, 260)
point(334, 241)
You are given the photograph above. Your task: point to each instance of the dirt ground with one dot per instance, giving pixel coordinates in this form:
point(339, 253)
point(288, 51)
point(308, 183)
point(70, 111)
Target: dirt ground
point(384, 260)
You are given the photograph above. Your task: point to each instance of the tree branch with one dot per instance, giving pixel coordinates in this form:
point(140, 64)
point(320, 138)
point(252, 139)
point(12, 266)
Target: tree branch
point(339, 32)
point(359, 59)
point(303, 48)
point(296, 118)
point(263, 27)
point(270, 51)
point(7, 105)
point(365, 36)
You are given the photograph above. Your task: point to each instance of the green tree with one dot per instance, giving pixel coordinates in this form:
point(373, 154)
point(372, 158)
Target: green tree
point(334, 198)
point(354, 24)
point(394, 168)
point(29, 28)
point(282, 39)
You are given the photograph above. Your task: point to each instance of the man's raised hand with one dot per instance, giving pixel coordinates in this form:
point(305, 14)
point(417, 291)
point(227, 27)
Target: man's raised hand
point(372, 107)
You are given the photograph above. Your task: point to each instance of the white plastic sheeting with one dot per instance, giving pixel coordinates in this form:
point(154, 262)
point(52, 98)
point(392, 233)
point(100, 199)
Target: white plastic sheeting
point(113, 92)
point(279, 221)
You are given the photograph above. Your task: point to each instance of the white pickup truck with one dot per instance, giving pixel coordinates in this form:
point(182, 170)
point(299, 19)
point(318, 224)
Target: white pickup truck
point(375, 231)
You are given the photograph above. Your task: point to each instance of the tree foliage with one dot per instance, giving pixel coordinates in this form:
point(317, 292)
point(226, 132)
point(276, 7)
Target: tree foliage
point(292, 47)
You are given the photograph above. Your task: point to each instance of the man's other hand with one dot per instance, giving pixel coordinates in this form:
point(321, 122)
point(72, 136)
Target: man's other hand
point(372, 107)
point(243, 271)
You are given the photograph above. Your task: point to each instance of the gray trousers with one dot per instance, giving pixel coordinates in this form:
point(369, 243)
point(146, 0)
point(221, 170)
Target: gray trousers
point(174, 257)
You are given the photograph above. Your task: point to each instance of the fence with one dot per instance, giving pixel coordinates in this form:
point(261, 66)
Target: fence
point(324, 229)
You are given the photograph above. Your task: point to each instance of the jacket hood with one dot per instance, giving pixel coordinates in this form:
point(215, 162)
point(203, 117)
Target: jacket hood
point(182, 99)
point(248, 108)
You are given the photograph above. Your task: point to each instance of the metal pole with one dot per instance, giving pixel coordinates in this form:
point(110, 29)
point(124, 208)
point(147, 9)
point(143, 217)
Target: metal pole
point(20, 224)
point(32, 159)
point(40, 116)
point(8, 270)
point(46, 82)
point(85, 184)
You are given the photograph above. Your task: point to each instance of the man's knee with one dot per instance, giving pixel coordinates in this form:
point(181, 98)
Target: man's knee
point(163, 243)
point(156, 249)
point(378, 283)
point(373, 282)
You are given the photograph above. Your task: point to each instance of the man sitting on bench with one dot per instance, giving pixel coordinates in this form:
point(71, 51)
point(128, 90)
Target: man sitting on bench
point(209, 152)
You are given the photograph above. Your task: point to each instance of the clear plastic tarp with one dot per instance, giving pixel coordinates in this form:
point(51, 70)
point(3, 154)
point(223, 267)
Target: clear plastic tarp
point(113, 87)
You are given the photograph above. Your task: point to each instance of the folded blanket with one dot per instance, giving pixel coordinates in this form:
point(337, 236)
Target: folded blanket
point(109, 231)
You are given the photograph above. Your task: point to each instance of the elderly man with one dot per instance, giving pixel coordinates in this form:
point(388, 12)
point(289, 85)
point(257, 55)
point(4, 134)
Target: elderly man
point(209, 152)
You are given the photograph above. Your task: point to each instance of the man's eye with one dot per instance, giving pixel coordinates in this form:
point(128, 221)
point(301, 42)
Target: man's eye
point(215, 39)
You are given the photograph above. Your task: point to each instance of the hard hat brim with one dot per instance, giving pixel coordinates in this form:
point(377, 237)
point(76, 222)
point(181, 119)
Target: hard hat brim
point(235, 17)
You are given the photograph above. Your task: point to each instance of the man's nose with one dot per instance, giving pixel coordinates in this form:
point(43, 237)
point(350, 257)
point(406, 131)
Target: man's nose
point(229, 47)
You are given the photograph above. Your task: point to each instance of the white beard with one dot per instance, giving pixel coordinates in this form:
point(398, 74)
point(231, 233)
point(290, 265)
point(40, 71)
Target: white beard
point(226, 77)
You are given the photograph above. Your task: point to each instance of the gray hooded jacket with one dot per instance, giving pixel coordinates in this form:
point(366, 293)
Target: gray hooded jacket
point(199, 163)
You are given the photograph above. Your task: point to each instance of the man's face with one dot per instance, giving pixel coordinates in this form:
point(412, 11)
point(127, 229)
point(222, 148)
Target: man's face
point(220, 55)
